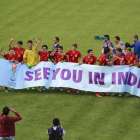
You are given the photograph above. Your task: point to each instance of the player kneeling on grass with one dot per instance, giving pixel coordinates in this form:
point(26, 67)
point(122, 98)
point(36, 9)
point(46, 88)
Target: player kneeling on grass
point(118, 60)
point(11, 57)
point(44, 55)
point(103, 62)
point(29, 56)
point(56, 132)
point(89, 59)
point(59, 58)
point(130, 60)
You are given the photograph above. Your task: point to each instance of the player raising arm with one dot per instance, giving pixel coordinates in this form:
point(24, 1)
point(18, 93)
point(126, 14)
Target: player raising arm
point(74, 55)
point(19, 50)
point(29, 56)
point(9, 56)
point(44, 55)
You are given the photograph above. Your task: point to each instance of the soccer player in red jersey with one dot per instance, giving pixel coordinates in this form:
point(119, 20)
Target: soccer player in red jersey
point(130, 59)
point(103, 62)
point(73, 57)
point(19, 51)
point(118, 60)
point(89, 59)
point(11, 57)
point(44, 55)
point(59, 58)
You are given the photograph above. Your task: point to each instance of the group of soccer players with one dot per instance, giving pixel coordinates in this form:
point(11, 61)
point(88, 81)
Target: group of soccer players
point(110, 55)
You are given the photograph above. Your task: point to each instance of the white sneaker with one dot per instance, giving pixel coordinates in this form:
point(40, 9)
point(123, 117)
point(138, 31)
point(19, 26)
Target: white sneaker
point(39, 89)
point(61, 89)
point(11, 89)
point(43, 89)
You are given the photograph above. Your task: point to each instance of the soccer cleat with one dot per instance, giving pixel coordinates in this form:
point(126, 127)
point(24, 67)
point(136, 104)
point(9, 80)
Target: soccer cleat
point(61, 89)
point(6, 90)
point(11, 89)
point(98, 95)
point(33, 88)
point(103, 94)
point(53, 88)
point(113, 94)
point(39, 89)
point(43, 88)
point(77, 91)
point(70, 90)
point(120, 95)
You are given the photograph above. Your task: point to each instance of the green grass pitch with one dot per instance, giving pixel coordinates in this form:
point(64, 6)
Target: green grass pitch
point(83, 116)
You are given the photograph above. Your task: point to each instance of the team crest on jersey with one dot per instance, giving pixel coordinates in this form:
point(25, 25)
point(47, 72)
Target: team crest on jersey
point(76, 55)
point(131, 58)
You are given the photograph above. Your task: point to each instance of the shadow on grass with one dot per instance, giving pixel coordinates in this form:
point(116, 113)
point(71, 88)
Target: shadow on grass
point(58, 92)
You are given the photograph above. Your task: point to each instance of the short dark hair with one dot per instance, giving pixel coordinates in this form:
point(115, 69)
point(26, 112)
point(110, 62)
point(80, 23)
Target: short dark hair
point(20, 42)
point(107, 36)
point(89, 50)
point(57, 38)
point(106, 50)
point(135, 36)
point(117, 37)
point(5, 110)
point(127, 45)
point(129, 49)
point(56, 121)
point(60, 47)
point(119, 49)
point(75, 45)
point(30, 41)
point(11, 49)
point(45, 46)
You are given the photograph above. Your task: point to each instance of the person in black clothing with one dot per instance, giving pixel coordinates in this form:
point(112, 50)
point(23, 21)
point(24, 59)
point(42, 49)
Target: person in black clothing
point(56, 132)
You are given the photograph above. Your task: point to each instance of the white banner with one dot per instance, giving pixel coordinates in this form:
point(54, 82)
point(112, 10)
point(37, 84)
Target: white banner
point(82, 77)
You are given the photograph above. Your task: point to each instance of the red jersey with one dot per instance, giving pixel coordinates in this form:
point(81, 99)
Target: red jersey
point(7, 125)
point(90, 60)
point(73, 57)
point(118, 62)
point(8, 57)
point(59, 58)
point(129, 59)
point(19, 53)
point(44, 56)
point(103, 61)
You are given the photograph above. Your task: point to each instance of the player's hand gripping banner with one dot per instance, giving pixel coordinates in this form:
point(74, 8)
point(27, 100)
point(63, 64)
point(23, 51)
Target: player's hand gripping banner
point(83, 77)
